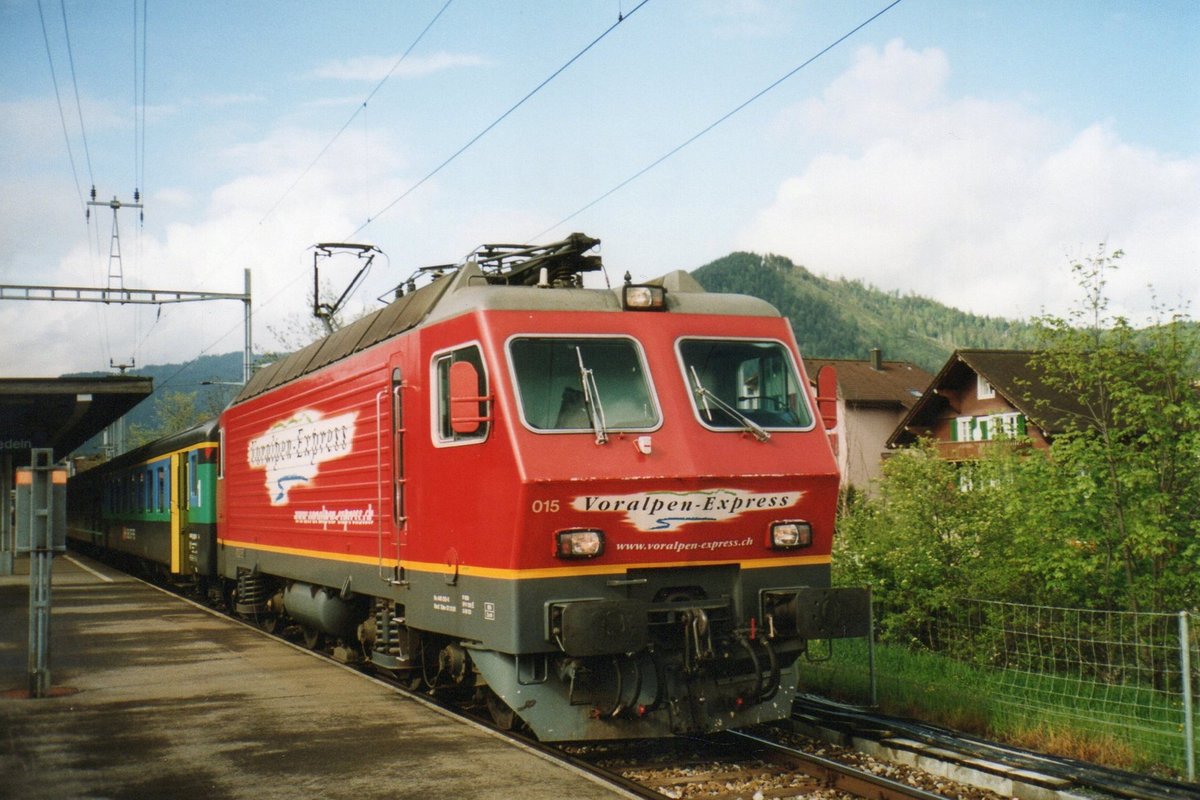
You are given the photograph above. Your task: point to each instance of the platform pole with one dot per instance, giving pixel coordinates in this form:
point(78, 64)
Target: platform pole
point(37, 518)
point(8, 543)
point(248, 347)
point(40, 569)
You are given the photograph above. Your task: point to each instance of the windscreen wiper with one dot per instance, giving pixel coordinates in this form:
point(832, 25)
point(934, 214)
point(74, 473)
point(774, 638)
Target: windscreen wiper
point(591, 398)
point(748, 425)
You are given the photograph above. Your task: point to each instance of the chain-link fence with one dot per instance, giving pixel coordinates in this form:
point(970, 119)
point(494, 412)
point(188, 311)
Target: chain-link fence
point(1132, 674)
point(1130, 678)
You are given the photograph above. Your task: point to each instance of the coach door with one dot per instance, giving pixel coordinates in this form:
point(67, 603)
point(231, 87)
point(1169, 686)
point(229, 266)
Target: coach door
point(180, 472)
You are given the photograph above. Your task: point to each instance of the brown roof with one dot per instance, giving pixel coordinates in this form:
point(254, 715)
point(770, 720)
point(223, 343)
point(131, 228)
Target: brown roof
point(894, 384)
point(1013, 374)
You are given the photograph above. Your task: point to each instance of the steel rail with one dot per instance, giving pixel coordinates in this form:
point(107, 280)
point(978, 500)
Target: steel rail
point(1079, 774)
point(835, 775)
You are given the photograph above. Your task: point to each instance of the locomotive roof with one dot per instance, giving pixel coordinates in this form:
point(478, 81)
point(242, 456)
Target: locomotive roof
point(469, 289)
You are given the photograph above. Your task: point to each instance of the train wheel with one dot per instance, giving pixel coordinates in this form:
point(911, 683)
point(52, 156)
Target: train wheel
point(313, 638)
point(268, 622)
point(502, 713)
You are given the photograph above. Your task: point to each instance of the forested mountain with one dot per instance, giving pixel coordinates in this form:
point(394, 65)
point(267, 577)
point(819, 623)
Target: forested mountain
point(183, 394)
point(845, 319)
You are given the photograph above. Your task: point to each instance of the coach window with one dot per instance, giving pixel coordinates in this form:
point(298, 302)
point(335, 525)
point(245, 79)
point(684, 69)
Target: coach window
point(194, 499)
point(732, 381)
point(461, 422)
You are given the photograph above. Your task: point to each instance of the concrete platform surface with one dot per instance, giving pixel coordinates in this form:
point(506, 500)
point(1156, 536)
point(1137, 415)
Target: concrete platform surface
point(157, 698)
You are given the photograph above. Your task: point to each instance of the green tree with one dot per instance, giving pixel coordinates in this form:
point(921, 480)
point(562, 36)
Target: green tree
point(1132, 458)
point(937, 532)
point(1106, 518)
point(173, 412)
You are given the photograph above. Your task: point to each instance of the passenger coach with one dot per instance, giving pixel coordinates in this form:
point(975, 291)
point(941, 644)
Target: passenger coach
point(156, 503)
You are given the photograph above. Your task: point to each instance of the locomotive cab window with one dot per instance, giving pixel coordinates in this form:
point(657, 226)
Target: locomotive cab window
point(735, 381)
point(571, 384)
point(463, 403)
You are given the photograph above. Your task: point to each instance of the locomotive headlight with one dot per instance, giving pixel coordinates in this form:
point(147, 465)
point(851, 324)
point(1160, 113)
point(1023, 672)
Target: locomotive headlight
point(579, 543)
point(644, 298)
point(790, 534)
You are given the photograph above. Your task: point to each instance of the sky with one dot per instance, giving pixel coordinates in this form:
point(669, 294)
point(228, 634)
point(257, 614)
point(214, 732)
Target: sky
point(965, 151)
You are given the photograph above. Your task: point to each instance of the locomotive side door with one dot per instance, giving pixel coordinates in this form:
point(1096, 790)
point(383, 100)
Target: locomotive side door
point(393, 532)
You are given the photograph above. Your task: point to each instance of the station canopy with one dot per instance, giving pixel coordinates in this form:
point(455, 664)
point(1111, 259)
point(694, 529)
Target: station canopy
point(63, 413)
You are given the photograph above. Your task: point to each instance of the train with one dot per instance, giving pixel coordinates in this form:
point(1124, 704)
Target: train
point(602, 513)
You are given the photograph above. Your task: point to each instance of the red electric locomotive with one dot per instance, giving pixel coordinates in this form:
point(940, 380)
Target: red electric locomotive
point(606, 512)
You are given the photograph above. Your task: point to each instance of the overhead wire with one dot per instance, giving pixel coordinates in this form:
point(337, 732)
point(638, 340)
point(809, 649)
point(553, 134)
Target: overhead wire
point(139, 106)
point(718, 121)
point(357, 109)
point(102, 321)
point(139, 149)
point(620, 19)
point(78, 106)
point(62, 114)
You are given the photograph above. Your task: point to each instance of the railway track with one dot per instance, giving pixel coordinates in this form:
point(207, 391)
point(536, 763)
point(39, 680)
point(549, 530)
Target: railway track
point(744, 765)
point(768, 765)
point(727, 766)
point(912, 741)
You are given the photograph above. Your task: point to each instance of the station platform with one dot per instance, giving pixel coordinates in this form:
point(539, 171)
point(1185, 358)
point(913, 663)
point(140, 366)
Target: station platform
point(154, 697)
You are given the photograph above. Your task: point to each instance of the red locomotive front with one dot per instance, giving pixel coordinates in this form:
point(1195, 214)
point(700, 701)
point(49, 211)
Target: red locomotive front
point(606, 513)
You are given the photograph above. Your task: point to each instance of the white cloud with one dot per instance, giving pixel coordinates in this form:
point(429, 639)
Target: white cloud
point(227, 232)
point(978, 203)
point(374, 68)
point(35, 127)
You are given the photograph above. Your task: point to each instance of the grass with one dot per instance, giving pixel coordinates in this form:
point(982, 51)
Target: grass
point(1125, 727)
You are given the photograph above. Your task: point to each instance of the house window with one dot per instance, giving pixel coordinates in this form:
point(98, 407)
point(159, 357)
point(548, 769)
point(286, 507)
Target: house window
point(983, 388)
point(1010, 425)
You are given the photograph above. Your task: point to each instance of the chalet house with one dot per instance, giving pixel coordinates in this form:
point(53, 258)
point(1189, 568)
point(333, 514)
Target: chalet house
point(980, 396)
point(872, 397)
